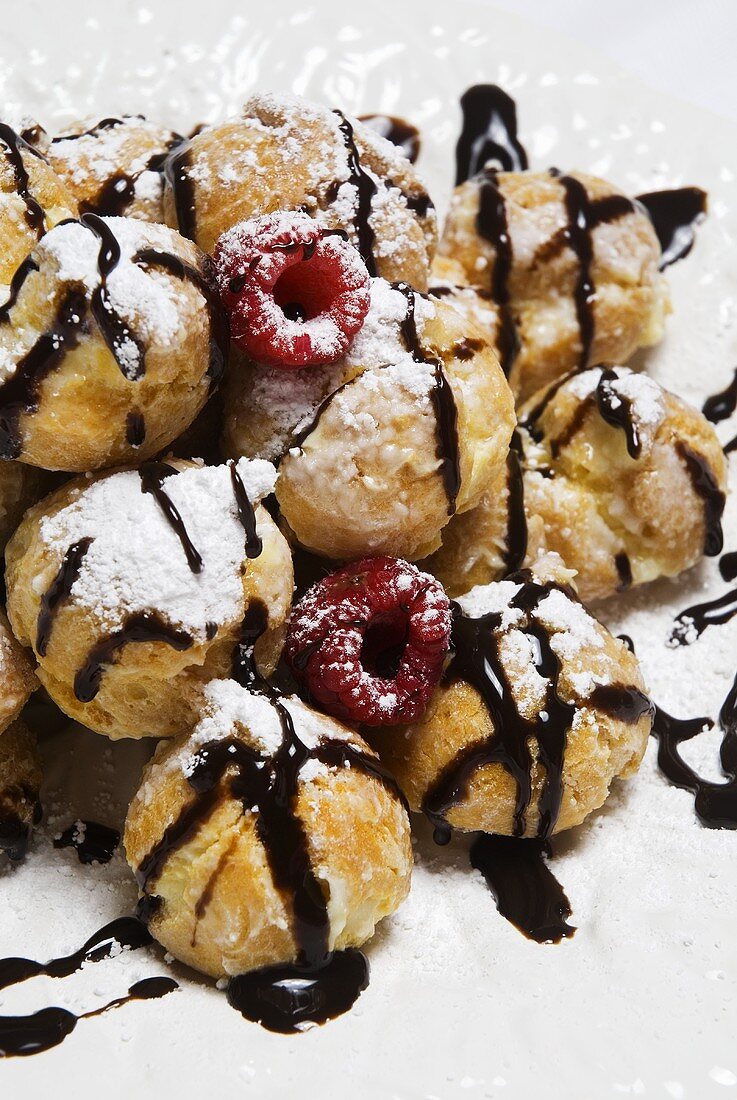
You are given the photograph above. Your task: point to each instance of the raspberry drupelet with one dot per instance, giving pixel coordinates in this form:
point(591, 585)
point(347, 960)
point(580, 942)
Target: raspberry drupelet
point(368, 643)
point(296, 294)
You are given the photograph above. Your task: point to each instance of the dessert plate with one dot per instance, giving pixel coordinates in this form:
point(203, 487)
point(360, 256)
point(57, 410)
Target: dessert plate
point(641, 1001)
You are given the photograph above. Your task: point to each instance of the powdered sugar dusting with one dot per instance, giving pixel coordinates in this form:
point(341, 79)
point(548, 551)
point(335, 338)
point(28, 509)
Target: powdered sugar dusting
point(147, 299)
point(232, 710)
point(135, 562)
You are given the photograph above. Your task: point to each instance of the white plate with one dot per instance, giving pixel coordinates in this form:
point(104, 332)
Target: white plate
point(642, 1001)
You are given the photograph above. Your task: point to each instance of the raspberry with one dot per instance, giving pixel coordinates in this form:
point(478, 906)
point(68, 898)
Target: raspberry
point(296, 294)
point(368, 642)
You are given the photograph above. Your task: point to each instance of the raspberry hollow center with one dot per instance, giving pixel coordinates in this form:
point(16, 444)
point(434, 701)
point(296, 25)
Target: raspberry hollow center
point(384, 643)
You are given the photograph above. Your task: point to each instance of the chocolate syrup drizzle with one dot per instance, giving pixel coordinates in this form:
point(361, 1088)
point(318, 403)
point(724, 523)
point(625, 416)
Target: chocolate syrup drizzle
point(119, 190)
point(492, 225)
point(617, 410)
point(398, 131)
point(691, 623)
point(321, 984)
point(179, 181)
point(19, 392)
point(706, 486)
point(728, 566)
point(365, 190)
point(142, 627)
point(58, 592)
point(443, 401)
point(246, 513)
point(489, 133)
point(32, 1034)
point(93, 842)
point(476, 660)
point(25, 1035)
point(16, 283)
point(720, 406)
point(578, 237)
point(153, 476)
point(115, 331)
point(715, 803)
point(204, 281)
point(15, 147)
point(674, 214)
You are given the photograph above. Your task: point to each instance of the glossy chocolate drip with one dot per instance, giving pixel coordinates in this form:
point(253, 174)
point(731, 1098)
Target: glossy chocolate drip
point(142, 626)
point(26, 1035)
point(706, 486)
point(16, 283)
point(720, 406)
point(618, 410)
point(176, 174)
point(19, 392)
point(492, 225)
point(135, 429)
point(108, 123)
point(623, 566)
point(286, 998)
point(715, 803)
point(525, 889)
point(476, 660)
point(124, 932)
point(119, 190)
point(94, 843)
point(531, 420)
point(577, 235)
point(124, 345)
point(728, 566)
point(204, 281)
point(113, 198)
point(396, 130)
point(153, 477)
point(625, 702)
point(58, 592)
point(516, 541)
point(365, 191)
point(446, 412)
point(674, 215)
point(246, 513)
point(489, 133)
point(691, 623)
point(15, 147)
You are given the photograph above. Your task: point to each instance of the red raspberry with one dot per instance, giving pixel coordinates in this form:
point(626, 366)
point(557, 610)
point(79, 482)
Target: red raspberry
point(368, 642)
point(296, 295)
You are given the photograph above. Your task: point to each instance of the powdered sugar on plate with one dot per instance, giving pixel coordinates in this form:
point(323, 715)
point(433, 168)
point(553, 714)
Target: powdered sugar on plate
point(136, 563)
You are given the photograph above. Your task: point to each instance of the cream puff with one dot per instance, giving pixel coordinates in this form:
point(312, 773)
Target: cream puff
point(133, 589)
point(110, 344)
point(540, 709)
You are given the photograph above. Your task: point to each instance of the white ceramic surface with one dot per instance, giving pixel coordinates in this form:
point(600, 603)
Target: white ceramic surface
point(643, 1000)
